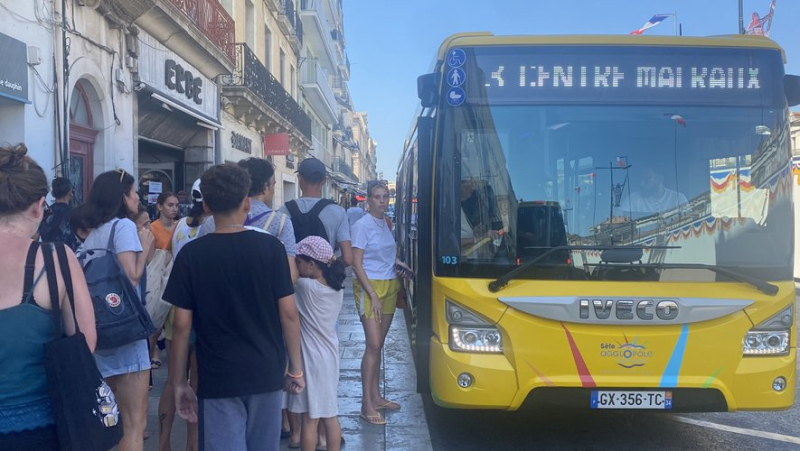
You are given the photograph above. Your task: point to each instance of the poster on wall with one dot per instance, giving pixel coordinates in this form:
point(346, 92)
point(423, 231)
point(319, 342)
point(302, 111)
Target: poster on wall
point(14, 70)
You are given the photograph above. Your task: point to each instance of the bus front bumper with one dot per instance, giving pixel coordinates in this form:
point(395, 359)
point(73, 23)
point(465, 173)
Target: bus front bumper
point(495, 385)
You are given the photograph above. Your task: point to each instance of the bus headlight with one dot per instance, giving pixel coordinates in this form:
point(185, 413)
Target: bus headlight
point(469, 332)
point(771, 337)
point(476, 339)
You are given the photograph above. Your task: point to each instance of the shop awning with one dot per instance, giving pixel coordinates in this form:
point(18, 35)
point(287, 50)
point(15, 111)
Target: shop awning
point(203, 121)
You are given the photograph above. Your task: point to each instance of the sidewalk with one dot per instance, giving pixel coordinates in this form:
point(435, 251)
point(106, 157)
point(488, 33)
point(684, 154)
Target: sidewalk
point(407, 428)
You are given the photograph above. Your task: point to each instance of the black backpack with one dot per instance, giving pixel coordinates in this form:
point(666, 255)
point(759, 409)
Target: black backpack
point(308, 224)
point(119, 313)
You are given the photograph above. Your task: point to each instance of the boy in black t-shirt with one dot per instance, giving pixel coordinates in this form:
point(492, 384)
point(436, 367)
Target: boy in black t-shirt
point(235, 287)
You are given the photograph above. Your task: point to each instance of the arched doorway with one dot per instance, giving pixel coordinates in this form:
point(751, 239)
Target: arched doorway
point(82, 137)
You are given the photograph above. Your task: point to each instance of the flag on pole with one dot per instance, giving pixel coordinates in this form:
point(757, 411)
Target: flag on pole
point(657, 19)
point(759, 26)
point(621, 162)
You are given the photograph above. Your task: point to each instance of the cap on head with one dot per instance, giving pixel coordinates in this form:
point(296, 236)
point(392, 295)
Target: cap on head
point(315, 247)
point(312, 169)
point(197, 195)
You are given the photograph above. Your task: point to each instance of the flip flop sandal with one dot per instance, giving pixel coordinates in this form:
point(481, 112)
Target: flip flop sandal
point(388, 405)
point(377, 420)
point(155, 364)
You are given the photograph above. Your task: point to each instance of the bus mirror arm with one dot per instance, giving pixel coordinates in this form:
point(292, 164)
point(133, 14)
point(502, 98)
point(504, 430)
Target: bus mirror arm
point(791, 86)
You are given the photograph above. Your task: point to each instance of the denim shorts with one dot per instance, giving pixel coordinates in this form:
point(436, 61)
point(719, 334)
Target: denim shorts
point(129, 358)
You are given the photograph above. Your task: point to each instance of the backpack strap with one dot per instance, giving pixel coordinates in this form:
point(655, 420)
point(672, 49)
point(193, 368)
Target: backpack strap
point(388, 222)
point(110, 245)
point(317, 208)
point(52, 284)
point(271, 216)
point(294, 210)
point(30, 266)
point(255, 218)
point(66, 274)
point(283, 222)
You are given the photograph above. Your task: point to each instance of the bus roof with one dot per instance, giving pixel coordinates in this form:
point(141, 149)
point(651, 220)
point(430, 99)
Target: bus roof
point(483, 38)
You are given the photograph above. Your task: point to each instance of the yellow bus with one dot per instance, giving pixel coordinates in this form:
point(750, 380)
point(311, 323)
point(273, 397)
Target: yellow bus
point(602, 222)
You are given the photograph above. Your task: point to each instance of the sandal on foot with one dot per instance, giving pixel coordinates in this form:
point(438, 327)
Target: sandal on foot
point(285, 434)
point(374, 419)
point(294, 445)
point(388, 405)
point(155, 364)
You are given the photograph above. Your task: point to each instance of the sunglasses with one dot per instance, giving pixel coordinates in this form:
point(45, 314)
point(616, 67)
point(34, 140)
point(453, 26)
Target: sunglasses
point(121, 174)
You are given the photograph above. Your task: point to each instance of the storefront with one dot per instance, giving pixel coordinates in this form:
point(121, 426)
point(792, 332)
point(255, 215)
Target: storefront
point(13, 89)
point(239, 141)
point(178, 115)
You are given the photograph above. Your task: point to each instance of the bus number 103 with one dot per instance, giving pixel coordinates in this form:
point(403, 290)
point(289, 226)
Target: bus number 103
point(449, 260)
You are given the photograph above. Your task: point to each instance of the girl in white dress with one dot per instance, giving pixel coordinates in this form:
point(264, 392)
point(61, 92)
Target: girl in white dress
point(319, 295)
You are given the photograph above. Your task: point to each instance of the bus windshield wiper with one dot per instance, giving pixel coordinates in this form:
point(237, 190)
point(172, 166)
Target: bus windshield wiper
point(502, 281)
point(762, 285)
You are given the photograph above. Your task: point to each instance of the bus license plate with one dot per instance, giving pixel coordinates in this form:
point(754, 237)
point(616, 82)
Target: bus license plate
point(631, 399)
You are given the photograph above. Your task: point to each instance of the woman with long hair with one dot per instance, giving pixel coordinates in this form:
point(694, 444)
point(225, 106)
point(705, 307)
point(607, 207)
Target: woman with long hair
point(187, 230)
point(375, 265)
point(164, 225)
point(112, 200)
point(26, 322)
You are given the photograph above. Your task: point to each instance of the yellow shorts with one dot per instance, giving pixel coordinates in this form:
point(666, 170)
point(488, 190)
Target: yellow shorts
point(385, 289)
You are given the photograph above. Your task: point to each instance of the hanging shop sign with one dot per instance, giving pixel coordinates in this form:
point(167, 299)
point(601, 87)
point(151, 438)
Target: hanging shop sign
point(276, 144)
point(14, 70)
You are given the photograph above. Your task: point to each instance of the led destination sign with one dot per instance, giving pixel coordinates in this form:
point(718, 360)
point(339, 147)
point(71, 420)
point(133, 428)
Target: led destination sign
point(623, 75)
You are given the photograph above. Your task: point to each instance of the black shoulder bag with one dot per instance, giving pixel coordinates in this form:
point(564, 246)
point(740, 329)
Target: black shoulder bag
point(85, 409)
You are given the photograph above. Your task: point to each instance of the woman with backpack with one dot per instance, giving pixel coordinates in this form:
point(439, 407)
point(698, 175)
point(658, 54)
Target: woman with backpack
point(112, 200)
point(375, 289)
point(26, 321)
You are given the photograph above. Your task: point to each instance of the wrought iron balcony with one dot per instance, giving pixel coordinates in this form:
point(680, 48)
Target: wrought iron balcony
point(212, 19)
point(264, 93)
point(290, 23)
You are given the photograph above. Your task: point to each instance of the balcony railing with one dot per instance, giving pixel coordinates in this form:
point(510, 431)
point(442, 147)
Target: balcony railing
point(340, 165)
point(289, 14)
point(212, 19)
point(251, 74)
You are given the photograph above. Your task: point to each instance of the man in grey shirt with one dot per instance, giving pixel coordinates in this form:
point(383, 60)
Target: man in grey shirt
point(311, 176)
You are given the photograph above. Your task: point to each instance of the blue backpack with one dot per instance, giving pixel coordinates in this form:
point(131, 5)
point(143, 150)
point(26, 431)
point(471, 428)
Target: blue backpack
point(119, 314)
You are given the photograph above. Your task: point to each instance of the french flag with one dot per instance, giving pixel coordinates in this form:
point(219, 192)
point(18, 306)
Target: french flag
point(655, 20)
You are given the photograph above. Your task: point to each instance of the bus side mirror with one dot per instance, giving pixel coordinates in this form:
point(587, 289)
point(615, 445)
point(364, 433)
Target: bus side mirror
point(791, 85)
point(427, 90)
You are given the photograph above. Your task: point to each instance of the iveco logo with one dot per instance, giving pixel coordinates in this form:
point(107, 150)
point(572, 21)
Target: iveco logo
point(590, 309)
point(625, 309)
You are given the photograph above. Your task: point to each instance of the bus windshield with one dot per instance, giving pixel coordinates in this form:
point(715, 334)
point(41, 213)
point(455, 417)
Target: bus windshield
point(645, 151)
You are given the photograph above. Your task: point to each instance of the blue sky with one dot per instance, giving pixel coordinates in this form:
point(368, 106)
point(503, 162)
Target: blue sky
point(390, 43)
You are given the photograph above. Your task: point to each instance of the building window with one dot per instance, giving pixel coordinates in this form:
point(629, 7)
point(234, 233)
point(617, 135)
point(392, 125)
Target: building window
point(249, 24)
point(267, 48)
point(282, 69)
point(293, 81)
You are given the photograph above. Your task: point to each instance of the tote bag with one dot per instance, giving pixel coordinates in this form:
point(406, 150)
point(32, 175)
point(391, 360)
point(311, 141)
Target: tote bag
point(85, 409)
point(158, 271)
